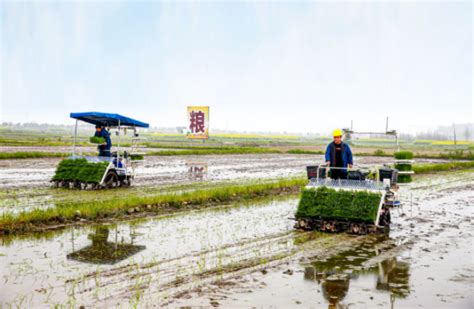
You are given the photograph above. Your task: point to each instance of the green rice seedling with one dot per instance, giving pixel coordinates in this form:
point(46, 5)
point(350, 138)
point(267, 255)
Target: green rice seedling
point(224, 151)
point(439, 167)
point(80, 170)
point(67, 169)
point(403, 155)
point(92, 172)
point(96, 140)
point(404, 178)
point(327, 203)
point(404, 167)
point(458, 155)
point(31, 155)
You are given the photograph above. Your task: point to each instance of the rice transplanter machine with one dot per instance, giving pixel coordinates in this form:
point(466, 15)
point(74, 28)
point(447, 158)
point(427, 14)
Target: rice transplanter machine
point(96, 172)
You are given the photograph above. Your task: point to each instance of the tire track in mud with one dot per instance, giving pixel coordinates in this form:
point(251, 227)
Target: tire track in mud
point(405, 237)
point(170, 286)
point(180, 274)
point(169, 278)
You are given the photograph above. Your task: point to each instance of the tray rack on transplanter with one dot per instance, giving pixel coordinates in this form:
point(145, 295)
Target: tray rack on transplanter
point(95, 172)
point(356, 205)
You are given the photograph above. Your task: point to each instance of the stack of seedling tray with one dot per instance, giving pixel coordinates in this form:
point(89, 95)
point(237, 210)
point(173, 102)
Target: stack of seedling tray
point(403, 163)
point(344, 205)
point(80, 170)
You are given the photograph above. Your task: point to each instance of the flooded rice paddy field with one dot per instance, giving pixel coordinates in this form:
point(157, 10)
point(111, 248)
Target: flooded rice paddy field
point(158, 170)
point(246, 255)
point(25, 184)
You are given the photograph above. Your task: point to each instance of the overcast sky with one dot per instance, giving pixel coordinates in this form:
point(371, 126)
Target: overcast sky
point(297, 66)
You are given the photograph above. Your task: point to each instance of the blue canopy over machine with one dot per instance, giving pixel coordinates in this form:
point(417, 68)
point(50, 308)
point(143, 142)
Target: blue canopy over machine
point(108, 120)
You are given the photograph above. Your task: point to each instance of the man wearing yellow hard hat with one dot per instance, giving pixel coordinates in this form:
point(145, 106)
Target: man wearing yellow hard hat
point(339, 156)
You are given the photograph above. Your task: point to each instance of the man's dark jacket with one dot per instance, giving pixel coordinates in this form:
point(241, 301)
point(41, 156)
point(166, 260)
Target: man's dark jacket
point(346, 154)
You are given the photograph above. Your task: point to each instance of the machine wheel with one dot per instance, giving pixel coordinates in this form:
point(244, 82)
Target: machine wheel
point(354, 228)
point(329, 226)
point(304, 224)
point(111, 180)
point(126, 182)
point(385, 219)
point(77, 185)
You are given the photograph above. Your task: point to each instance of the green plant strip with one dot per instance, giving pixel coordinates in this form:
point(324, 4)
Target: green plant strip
point(96, 140)
point(327, 203)
point(136, 157)
point(206, 150)
point(31, 155)
point(159, 204)
point(440, 167)
point(404, 178)
point(304, 151)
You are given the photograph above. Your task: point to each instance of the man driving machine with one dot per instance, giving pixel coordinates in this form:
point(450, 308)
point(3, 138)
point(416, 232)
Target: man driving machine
point(338, 156)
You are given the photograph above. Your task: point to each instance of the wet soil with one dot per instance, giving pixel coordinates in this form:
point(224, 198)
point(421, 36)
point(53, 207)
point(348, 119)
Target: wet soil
point(247, 255)
point(157, 170)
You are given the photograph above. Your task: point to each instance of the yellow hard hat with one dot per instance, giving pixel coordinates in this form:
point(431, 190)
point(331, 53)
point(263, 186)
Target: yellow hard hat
point(337, 132)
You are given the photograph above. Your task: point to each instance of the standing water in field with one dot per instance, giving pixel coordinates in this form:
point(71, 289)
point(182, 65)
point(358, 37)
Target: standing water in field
point(100, 264)
point(250, 255)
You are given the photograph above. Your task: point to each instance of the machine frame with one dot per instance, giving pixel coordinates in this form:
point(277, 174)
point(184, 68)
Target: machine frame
point(115, 175)
point(386, 188)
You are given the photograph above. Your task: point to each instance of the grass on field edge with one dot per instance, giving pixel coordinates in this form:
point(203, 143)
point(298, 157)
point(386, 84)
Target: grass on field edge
point(117, 207)
point(32, 155)
point(440, 167)
point(184, 152)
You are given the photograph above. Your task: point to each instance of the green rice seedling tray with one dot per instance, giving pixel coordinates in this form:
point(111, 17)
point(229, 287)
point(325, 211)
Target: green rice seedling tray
point(404, 178)
point(96, 140)
point(403, 155)
point(403, 167)
point(331, 204)
point(80, 170)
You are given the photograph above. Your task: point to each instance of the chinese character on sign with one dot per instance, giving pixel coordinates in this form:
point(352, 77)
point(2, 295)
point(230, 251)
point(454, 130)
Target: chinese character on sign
point(197, 122)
